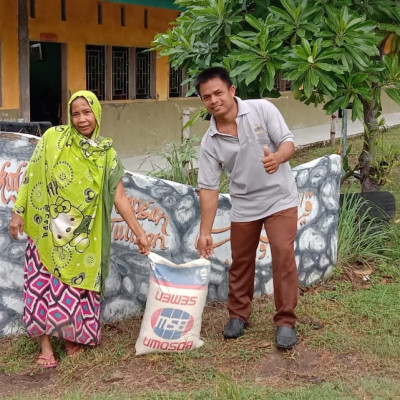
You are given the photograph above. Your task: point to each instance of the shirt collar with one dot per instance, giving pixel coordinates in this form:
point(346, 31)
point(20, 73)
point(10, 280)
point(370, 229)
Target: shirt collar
point(243, 108)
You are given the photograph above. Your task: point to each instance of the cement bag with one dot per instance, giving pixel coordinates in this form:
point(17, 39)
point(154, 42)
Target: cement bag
point(174, 307)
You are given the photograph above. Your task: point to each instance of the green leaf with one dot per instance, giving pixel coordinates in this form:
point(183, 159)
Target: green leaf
point(314, 77)
point(358, 110)
point(308, 86)
point(327, 81)
point(289, 7)
point(334, 104)
point(301, 32)
point(306, 46)
point(293, 75)
point(239, 70)
point(254, 22)
point(252, 75)
point(242, 43)
point(270, 76)
point(394, 94)
point(301, 52)
point(280, 13)
point(359, 78)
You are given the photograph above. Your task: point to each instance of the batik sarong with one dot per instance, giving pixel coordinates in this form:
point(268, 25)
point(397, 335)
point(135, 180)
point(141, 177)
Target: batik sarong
point(56, 309)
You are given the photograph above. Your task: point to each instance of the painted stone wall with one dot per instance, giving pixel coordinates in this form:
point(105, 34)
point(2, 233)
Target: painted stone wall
point(170, 214)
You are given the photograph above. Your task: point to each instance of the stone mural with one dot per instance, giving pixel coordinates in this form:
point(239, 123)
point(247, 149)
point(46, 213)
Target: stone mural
point(170, 214)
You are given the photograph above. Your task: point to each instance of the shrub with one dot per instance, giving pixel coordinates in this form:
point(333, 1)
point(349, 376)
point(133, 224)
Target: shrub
point(362, 239)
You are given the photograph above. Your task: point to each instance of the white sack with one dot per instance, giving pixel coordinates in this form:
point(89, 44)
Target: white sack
point(174, 307)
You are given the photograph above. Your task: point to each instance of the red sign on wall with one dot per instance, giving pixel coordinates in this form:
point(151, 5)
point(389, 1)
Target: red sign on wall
point(48, 37)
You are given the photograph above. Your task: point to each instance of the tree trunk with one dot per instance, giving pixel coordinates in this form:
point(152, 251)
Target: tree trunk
point(366, 160)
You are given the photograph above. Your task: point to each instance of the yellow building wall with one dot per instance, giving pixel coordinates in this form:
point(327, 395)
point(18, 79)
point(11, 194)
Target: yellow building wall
point(162, 83)
point(9, 55)
point(81, 28)
point(137, 126)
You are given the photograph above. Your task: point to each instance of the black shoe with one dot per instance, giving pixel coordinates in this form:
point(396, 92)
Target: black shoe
point(235, 328)
point(285, 337)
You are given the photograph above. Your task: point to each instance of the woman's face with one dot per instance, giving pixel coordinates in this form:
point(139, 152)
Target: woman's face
point(82, 117)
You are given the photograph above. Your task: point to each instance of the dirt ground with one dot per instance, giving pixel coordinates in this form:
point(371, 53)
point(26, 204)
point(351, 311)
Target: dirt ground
point(274, 370)
point(252, 358)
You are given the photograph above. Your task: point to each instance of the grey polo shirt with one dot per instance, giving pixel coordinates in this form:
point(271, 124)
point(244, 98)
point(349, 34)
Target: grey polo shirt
point(255, 194)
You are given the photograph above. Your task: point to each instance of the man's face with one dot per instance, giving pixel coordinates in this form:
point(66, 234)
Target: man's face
point(217, 97)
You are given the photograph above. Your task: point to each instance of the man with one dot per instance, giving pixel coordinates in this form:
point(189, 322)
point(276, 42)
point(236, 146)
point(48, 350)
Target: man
point(252, 142)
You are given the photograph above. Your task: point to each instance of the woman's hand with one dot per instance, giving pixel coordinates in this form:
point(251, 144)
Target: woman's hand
point(124, 208)
point(16, 225)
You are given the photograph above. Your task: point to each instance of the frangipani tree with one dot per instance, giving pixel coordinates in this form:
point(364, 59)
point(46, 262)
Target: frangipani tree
point(338, 53)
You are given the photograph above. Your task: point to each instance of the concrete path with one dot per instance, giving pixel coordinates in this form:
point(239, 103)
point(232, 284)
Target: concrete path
point(302, 137)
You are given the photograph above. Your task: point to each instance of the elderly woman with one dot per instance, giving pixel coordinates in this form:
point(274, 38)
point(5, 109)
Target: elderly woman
point(64, 206)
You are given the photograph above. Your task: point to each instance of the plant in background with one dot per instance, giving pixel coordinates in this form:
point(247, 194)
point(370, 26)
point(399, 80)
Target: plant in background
point(224, 182)
point(333, 52)
point(385, 159)
point(180, 158)
point(394, 243)
point(362, 239)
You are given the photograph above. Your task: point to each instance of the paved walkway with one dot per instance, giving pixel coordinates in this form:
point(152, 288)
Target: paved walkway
point(302, 137)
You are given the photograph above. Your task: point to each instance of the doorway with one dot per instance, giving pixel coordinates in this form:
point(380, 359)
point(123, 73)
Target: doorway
point(45, 82)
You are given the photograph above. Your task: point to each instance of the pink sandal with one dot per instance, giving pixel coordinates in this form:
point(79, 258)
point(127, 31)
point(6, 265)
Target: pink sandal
point(48, 359)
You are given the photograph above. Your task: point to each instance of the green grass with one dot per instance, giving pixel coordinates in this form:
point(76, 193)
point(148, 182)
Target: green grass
point(364, 320)
point(229, 390)
point(358, 319)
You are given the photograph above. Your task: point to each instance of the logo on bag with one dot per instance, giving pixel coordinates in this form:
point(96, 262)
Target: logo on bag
point(171, 323)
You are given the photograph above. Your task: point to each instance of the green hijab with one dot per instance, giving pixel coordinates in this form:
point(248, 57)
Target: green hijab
point(66, 201)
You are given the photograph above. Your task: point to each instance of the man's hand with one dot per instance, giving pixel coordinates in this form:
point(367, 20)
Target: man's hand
point(271, 161)
point(16, 226)
point(208, 208)
point(143, 243)
point(205, 246)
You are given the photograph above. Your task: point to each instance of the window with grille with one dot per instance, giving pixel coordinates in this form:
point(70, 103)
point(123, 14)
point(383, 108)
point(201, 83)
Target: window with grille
point(120, 73)
point(96, 70)
point(281, 84)
point(175, 82)
point(143, 72)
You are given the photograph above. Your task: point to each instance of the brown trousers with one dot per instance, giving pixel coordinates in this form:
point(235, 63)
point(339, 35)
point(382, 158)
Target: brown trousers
point(281, 229)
